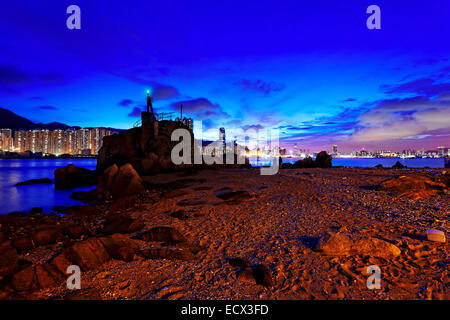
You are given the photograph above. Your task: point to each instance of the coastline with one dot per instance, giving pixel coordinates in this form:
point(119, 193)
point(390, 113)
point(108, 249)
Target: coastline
point(297, 206)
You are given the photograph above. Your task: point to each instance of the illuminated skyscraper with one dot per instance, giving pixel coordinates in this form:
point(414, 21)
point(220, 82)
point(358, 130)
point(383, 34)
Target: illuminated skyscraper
point(222, 139)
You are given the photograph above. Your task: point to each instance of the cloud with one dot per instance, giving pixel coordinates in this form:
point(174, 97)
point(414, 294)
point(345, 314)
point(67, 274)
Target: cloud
point(47, 108)
point(135, 113)
point(164, 92)
point(252, 127)
point(424, 86)
point(125, 102)
point(13, 75)
point(403, 118)
point(196, 106)
point(211, 114)
point(36, 98)
point(260, 86)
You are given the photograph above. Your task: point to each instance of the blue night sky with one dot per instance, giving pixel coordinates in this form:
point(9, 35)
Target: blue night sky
point(311, 69)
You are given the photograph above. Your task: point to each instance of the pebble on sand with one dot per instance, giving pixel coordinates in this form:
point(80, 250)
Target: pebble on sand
point(436, 235)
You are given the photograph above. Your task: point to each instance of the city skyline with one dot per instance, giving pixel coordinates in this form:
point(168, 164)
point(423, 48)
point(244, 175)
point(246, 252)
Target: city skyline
point(83, 141)
point(261, 67)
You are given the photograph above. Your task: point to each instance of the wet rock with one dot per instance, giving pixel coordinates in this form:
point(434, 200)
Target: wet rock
point(257, 274)
point(122, 223)
point(413, 187)
point(9, 260)
point(121, 247)
point(71, 176)
point(34, 181)
point(353, 244)
point(162, 234)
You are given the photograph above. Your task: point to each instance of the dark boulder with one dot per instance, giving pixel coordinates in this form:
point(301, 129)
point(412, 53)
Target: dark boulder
point(34, 181)
point(23, 244)
point(323, 160)
point(48, 236)
point(71, 176)
point(85, 196)
point(75, 231)
point(119, 182)
point(35, 211)
point(88, 254)
point(398, 165)
point(308, 162)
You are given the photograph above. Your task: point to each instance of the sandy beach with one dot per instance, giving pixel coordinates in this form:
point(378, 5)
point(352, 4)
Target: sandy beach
point(273, 221)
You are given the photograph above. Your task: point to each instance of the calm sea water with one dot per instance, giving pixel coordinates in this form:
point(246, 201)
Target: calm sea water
point(365, 162)
point(23, 198)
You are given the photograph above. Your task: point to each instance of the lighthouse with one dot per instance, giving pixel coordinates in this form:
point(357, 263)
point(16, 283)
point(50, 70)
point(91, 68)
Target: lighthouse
point(148, 117)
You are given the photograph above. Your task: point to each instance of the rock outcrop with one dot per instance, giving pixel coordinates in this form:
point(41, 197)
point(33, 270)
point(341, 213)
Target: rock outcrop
point(413, 187)
point(323, 160)
point(71, 176)
point(338, 244)
point(119, 182)
point(147, 148)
